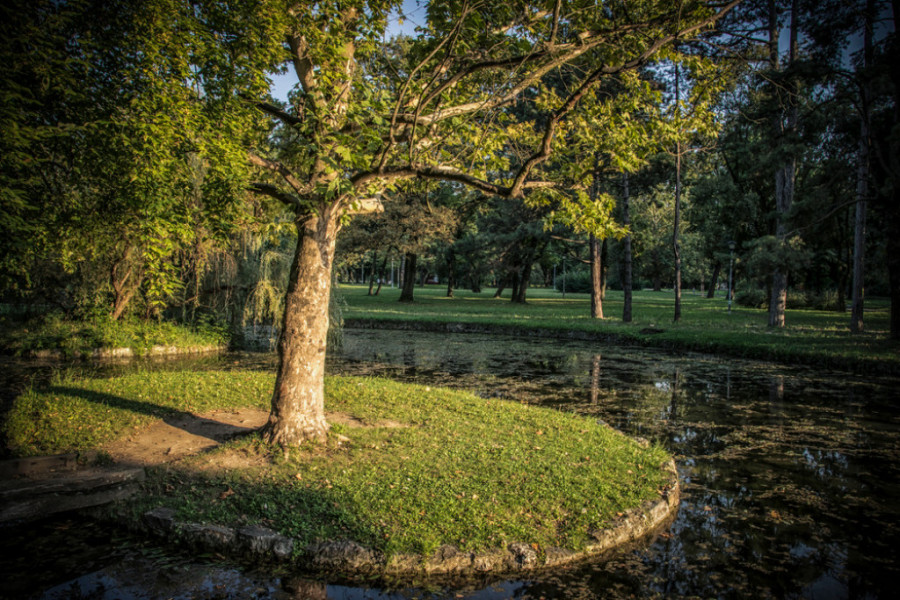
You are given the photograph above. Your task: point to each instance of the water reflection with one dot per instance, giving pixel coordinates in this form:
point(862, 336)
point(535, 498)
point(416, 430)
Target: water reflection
point(790, 476)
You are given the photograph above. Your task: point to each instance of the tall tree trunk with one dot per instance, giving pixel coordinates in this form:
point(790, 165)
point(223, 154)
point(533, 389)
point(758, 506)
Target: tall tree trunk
point(676, 247)
point(515, 285)
point(501, 286)
point(298, 402)
point(714, 279)
point(604, 268)
point(525, 280)
point(627, 282)
point(382, 274)
point(891, 203)
point(372, 272)
point(862, 180)
point(596, 283)
point(784, 175)
point(409, 277)
point(451, 266)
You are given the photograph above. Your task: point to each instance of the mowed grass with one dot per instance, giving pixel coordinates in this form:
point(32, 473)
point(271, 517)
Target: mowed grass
point(429, 467)
point(811, 336)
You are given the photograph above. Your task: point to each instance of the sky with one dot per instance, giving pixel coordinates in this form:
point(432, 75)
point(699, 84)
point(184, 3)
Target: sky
point(413, 13)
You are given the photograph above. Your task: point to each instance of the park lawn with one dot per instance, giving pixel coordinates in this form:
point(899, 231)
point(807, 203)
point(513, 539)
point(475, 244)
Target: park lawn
point(428, 467)
point(811, 336)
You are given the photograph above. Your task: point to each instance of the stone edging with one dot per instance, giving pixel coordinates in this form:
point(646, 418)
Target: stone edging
point(350, 558)
point(129, 353)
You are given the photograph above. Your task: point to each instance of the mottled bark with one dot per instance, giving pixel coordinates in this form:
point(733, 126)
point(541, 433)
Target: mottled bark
point(298, 402)
point(596, 283)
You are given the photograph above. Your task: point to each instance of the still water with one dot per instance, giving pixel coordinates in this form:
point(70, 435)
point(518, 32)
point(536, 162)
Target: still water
point(791, 480)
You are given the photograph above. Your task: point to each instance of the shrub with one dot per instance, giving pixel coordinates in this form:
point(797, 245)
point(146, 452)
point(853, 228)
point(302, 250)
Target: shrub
point(751, 297)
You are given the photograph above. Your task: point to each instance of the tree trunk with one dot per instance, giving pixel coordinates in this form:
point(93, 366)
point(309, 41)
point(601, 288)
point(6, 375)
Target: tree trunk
point(676, 248)
point(627, 282)
point(409, 277)
point(501, 287)
point(784, 175)
point(298, 402)
point(125, 283)
point(372, 273)
point(515, 286)
point(596, 283)
point(451, 265)
point(862, 182)
point(893, 264)
point(714, 279)
point(524, 281)
point(382, 274)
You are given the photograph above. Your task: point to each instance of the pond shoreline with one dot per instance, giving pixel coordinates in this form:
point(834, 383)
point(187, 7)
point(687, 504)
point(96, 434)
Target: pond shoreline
point(652, 340)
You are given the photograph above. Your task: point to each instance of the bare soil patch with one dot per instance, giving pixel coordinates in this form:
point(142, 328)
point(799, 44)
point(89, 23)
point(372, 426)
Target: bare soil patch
point(187, 435)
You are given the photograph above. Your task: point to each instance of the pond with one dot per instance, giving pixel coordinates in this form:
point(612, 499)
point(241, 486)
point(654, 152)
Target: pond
point(790, 476)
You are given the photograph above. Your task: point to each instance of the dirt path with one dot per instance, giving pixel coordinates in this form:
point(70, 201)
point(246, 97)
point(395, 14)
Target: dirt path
point(181, 436)
point(186, 435)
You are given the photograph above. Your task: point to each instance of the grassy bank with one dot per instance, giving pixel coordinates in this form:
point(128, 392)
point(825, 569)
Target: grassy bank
point(81, 338)
point(811, 336)
point(419, 468)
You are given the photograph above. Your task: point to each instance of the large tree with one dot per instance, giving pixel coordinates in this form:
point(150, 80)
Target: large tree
point(433, 111)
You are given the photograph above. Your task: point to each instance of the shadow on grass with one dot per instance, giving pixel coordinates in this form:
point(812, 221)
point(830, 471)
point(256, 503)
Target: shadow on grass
point(217, 431)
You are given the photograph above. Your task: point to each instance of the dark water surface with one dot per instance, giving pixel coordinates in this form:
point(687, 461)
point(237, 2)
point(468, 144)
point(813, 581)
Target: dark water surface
point(791, 479)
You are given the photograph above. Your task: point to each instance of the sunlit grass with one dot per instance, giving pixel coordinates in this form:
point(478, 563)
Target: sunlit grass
point(451, 468)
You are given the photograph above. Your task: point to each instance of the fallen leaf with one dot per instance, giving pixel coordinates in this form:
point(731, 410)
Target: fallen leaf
point(226, 493)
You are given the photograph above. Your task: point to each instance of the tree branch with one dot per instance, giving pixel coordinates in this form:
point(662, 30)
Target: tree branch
point(280, 169)
point(267, 189)
point(279, 114)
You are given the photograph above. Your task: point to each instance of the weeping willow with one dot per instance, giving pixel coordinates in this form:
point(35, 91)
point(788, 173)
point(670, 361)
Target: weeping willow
point(267, 261)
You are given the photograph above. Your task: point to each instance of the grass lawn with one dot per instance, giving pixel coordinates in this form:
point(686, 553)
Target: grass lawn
point(428, 467)
point(811, 336)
